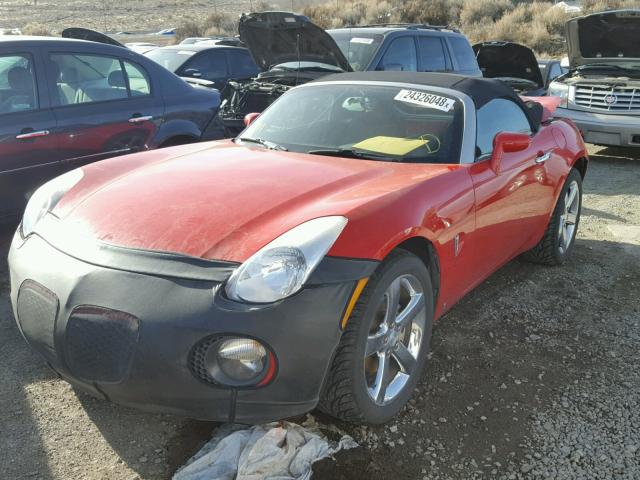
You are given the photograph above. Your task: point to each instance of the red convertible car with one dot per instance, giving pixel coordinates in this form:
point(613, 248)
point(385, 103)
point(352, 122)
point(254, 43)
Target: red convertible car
point(303, 263)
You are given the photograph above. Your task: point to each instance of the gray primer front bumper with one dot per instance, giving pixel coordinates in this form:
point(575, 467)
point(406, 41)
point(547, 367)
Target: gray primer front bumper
point(175, 314)
point(604, 128)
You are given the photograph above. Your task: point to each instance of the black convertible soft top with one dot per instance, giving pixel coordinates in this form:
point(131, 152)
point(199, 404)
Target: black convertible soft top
point(481, 90)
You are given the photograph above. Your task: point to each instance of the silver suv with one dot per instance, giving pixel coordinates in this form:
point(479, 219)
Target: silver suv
point(601, 92)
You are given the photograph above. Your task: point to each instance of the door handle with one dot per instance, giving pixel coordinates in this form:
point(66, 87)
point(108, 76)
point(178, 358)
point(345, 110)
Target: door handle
point(30, 135)
point(140, 118)
point(541, 158)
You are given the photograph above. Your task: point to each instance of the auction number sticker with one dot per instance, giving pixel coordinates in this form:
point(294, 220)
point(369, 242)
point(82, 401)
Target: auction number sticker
point(423, 99)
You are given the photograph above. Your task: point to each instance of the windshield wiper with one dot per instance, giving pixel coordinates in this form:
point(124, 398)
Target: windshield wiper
point(265, 143)
point(606, 66)
point(352, 153)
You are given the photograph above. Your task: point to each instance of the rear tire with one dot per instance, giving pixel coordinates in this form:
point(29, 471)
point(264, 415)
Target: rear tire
point(383, 349)
point(558, 240)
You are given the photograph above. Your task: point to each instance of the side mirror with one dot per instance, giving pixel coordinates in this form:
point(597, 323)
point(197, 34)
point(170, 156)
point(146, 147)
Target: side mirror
point(249, 118)
point(192, 72)
point(507, 142)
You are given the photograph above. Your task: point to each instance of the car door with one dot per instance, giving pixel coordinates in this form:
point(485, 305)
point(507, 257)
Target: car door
point(400, 56)
point(28, 146)
point(513, 205)
point(431, 54)
point(464, 60)
point(210, 65)
point(104, 105)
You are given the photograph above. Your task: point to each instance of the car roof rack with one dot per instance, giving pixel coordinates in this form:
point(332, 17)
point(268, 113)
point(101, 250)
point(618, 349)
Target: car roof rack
point(410, 26)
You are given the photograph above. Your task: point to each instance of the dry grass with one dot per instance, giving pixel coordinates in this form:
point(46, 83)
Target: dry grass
point(36, 29)
point(537, 24)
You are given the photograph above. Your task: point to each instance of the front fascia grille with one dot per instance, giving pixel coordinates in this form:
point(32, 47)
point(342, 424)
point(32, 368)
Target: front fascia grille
point(608, 98)
point(100, 343)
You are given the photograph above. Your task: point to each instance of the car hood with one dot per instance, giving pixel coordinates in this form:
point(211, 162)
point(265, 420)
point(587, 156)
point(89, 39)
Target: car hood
point(279, 37)
point(606, 37)
point(223, 201)
point(507, 60)
point(90, 35)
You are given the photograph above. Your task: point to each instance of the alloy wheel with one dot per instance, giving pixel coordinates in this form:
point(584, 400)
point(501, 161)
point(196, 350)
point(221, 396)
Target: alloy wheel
point(569, 217)
point(395, 339)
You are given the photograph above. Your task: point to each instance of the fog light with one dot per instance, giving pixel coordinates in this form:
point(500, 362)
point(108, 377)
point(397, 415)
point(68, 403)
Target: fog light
point(233, 362)
point(241, 359)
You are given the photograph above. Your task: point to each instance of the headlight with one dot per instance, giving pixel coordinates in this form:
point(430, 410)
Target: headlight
point(281, 268)
point(46, 198)
point(557, 89)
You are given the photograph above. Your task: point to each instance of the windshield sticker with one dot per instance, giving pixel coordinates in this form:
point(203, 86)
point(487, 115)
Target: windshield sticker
point(391, 145)
point(423, 99)
point(290, 19)
point(366, 41)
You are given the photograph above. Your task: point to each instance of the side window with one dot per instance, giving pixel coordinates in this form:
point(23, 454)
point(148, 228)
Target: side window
point(139, 84)
point(499, 115)
point(555, 71)
point(241, 64)
point(84, 78)
point(432, 57)
point(17, 84)
point(211, 65)
point(463, 53)
point(400, 56)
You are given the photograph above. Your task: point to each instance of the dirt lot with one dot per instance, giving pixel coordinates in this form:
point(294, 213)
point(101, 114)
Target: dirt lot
point(533, 375)
point(141, 15)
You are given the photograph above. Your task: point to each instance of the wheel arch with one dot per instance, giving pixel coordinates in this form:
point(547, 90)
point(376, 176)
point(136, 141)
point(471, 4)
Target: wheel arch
point(424, 249)
point(178, 140)
point(177, 128)
point(581, 164)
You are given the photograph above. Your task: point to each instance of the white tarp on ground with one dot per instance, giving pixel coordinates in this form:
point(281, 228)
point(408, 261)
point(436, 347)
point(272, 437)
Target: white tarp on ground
point(276, 451)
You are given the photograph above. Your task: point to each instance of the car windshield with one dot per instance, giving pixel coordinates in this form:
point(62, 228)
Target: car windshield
point(377, 122)
point(171, 59)
point(306, 66)
point(358, 47)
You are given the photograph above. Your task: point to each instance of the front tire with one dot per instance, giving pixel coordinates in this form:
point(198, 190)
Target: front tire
point(557, 243)
point(384, 347)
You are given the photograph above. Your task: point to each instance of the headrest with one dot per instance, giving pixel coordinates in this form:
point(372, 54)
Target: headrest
point(69, 75)
point(19, 78)
point(116, 79)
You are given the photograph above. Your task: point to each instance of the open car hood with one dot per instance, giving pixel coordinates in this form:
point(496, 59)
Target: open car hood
point(90, 35)
point(508, 61)
point(279, 37)
point(606, 37)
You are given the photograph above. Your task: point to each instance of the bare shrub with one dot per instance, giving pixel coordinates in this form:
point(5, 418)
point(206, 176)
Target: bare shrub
point(37, 30)
point(189, 28)
point(477, 11)
point(437, 12)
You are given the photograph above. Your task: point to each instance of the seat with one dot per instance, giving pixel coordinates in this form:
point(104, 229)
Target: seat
point(68, 85)
point(21, 96)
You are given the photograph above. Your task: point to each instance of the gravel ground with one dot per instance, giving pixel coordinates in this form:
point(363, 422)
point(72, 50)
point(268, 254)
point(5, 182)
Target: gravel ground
point(533, 375)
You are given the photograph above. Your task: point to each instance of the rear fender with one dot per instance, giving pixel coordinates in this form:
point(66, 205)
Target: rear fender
point(176, 128)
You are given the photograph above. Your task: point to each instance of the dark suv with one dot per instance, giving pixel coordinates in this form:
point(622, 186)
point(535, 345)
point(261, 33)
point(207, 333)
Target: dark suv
point(407, 47)
point(65, 103)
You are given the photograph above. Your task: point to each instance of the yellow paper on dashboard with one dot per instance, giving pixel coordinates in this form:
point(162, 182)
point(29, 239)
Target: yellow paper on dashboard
point(390, 145)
